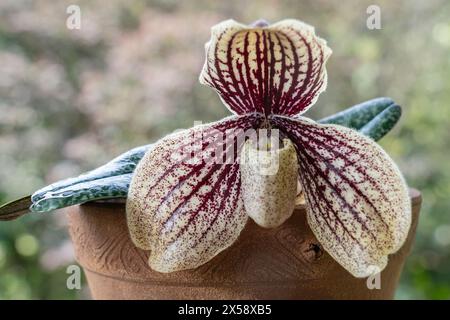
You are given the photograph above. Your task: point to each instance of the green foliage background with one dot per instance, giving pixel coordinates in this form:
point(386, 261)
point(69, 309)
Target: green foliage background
point(72, 99)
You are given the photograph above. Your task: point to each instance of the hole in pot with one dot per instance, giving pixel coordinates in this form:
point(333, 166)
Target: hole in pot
point(314, 251)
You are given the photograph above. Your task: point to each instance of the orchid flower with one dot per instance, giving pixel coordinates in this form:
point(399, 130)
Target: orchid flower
point(186, 211)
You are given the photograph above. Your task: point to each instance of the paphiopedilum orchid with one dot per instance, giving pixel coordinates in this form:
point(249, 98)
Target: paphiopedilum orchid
point(186, 209)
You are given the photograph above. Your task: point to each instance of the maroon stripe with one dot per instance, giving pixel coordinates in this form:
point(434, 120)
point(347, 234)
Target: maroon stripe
point(317, 204)
point(234, 125)
point(283, 80)
point(271, 72)
point(244, 79)
point(224, 85)
point(243, 97)
point(267, 76)
point(313, 201)
point(334, 143)
point(336, 190)
point(332, 140)
point(258, 74)
point(344, 178)
point(286, 105)
point(198, 185)
point(244, 122)
point(251, 87)
point(297, 132)
point(307, 97)
point(222, 203)
point(205, 200)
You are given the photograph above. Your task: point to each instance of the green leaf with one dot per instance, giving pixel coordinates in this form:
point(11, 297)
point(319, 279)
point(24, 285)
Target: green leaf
point(104, 188)
point(379, 126)
point(373, 118)
point(14, 209)
point(123, 164)
point(108, 181)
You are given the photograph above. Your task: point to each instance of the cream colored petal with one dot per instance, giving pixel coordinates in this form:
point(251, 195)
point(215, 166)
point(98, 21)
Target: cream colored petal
point(186, 209)
point(278, 69)
point(357, 200)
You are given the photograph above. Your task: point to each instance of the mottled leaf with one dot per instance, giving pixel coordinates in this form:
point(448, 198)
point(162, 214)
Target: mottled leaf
point(379, 126)
point(359, 115)
point(104, 188)
point(123, 164)
point(373, 118)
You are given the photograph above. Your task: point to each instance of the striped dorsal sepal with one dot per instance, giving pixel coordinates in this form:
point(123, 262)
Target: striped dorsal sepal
point(269, 69)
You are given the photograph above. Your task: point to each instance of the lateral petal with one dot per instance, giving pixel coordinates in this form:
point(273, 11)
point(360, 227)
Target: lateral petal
point(357, 200)
point(184, 203)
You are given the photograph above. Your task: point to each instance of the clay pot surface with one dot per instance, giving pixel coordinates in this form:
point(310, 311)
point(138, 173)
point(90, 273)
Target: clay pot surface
point(282, 263)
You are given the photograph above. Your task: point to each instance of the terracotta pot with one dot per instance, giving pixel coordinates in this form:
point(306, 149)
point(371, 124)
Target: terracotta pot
point(282, 263)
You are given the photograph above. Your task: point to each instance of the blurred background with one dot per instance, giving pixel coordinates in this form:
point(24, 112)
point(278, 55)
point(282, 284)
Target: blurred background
point(71, 100)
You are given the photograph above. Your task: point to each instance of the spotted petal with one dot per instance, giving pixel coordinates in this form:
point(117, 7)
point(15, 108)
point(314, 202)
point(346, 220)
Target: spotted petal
point(184, 202)
point(276, 69)
point(357, 201)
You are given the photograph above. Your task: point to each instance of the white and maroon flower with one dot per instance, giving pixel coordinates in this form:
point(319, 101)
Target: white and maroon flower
point(186, 209)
